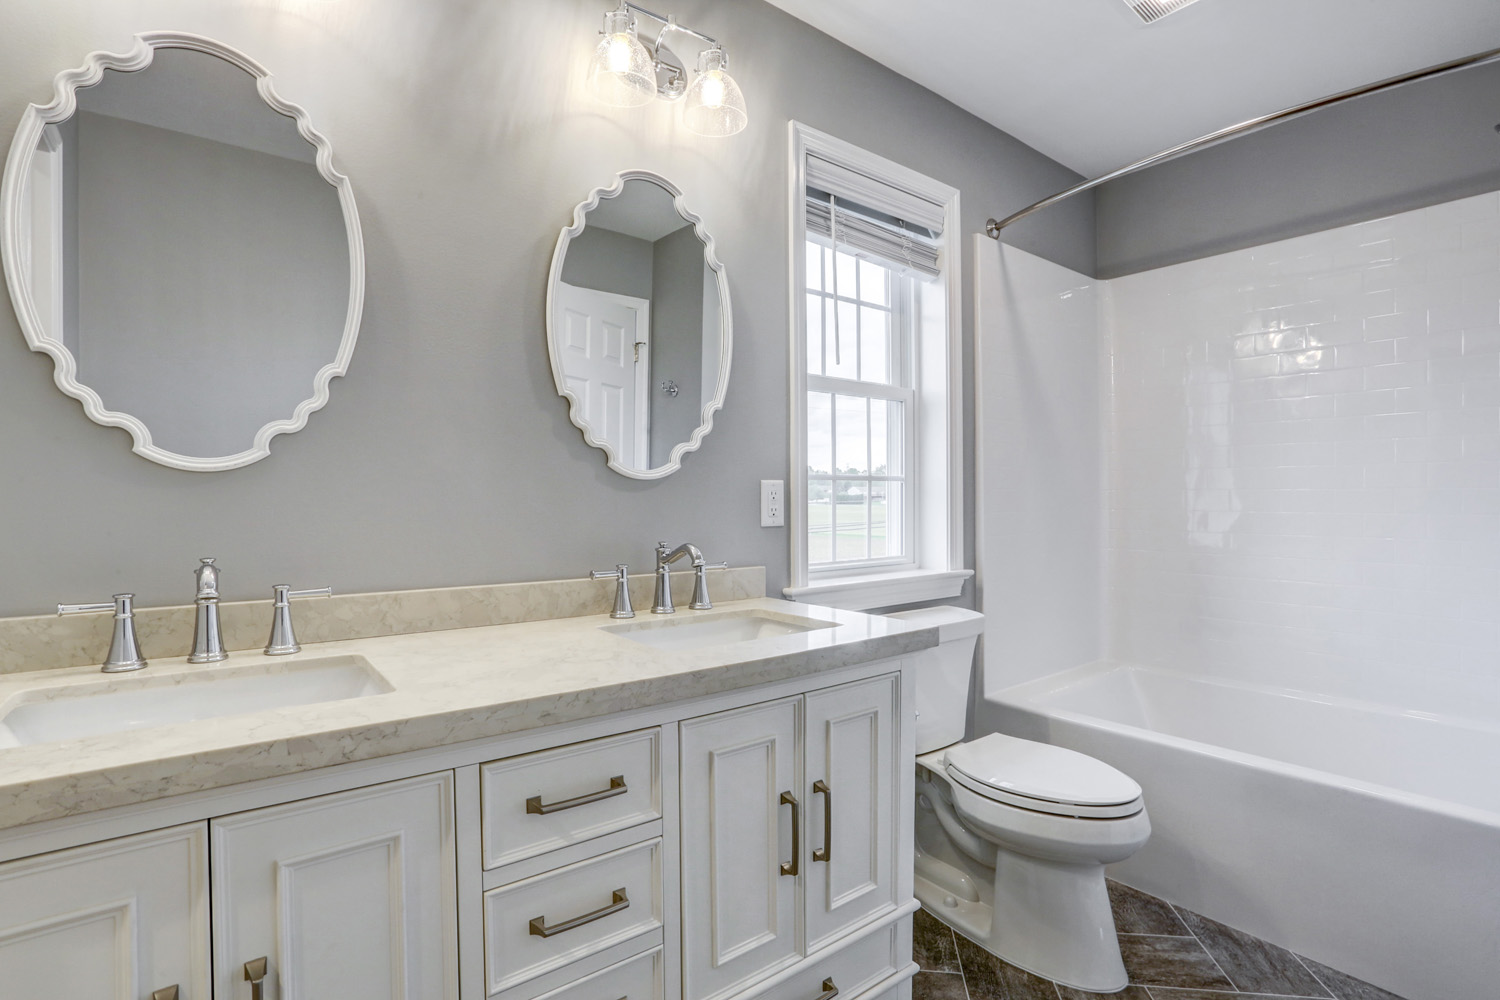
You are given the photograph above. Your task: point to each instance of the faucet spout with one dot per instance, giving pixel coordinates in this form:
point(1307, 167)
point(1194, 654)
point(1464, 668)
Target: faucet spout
point(662, 604)
point(208, 642)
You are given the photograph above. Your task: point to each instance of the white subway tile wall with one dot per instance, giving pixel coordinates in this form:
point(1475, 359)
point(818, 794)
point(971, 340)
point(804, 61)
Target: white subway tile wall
point(1303, 475)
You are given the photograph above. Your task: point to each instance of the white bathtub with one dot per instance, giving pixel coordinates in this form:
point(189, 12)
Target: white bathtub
point(1362, 836)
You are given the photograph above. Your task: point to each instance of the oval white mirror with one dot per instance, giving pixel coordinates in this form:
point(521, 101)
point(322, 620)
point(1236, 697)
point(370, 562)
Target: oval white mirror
point(176, 238)
point(638, 325)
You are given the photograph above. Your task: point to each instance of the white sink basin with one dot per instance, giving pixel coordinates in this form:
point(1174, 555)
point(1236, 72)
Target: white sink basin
point(69, 712)
point(715, 630)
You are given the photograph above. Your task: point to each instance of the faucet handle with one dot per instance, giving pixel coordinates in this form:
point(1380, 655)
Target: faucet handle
point(621, 574)
point(283, 639)
point(124, 651)
point(700, 600)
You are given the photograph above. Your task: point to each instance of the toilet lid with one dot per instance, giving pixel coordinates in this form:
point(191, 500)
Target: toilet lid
point(1040, 771)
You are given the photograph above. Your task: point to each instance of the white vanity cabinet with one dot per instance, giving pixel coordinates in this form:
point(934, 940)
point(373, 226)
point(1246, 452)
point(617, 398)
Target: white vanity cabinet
point(751, 844)
point(789, 826)
point(350, 894)
point(344, 895)
point(120, 920)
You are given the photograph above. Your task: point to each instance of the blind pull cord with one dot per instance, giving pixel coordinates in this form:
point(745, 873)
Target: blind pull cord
point(833, 237)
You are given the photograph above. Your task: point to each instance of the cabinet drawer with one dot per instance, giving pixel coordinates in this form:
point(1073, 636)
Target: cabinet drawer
point(638, 978)
point(542, 801)
point(852, 969)
point(539, 924)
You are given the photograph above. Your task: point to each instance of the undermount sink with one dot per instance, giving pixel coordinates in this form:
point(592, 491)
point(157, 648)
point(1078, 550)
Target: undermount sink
point(715, 630)
point(68, 712)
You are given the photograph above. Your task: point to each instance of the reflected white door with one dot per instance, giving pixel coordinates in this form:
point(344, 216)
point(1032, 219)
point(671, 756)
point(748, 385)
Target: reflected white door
point(605, 360)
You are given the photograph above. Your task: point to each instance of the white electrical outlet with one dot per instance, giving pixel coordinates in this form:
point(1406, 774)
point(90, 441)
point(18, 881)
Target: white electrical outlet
point(772, 503)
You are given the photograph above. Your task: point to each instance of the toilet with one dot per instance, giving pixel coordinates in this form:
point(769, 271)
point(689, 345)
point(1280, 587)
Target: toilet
point(1013, 835)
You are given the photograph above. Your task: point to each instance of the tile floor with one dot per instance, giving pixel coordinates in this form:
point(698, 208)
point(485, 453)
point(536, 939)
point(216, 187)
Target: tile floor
point(1171, 954)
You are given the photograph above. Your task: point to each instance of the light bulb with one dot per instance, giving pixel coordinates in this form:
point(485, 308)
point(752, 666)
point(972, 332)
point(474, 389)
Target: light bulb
point(622, 73)
point(714, 105)
point(619, 53)
point(713, 90)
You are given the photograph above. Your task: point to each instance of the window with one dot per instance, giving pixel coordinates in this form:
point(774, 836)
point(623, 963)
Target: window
point(874, 501)
point(860, 410)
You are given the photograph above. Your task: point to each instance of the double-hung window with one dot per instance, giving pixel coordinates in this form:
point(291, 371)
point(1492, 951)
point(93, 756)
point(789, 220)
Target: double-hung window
point(874, 500)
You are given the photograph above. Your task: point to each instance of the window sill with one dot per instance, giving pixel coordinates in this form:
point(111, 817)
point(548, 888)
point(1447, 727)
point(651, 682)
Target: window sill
point(881, 590)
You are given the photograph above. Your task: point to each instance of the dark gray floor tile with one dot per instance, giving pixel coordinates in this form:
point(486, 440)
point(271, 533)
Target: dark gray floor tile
point(932, 944)
point(1155, 960)
point(1128, 993)
point(1346, 987)
point(1254, 965)
point(1166, 993)
point(1137, 912)
point(990, 978)
point(938, 986)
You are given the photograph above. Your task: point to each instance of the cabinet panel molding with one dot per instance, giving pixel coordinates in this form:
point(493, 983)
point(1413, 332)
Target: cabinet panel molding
point(110, 921)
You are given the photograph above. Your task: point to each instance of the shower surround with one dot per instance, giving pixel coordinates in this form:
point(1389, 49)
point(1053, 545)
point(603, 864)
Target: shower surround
point(1285, 463)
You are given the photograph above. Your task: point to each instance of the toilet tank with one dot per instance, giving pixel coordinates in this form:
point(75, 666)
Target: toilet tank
point(943, 674)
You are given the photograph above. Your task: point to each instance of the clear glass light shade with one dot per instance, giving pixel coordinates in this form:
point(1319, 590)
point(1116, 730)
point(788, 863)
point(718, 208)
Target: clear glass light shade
point(622, 73)
point(714, 105)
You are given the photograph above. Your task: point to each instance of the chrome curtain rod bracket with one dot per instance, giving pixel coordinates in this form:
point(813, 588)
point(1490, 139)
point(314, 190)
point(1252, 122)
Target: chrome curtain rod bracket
point(992, 228)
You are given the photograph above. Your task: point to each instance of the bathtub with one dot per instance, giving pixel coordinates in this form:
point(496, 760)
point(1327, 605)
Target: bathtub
point(1362, 836)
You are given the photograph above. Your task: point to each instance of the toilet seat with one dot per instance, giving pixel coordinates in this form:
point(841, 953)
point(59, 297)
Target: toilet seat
point(1042, 778)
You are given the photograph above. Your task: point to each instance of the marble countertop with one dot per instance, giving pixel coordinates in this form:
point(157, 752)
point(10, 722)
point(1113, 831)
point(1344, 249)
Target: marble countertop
point(449, 687)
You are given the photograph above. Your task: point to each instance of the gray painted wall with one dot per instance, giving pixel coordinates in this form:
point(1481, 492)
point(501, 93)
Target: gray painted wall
point(213, 282)
point(676, 340)
point(607, 261)
point(445, 456)
point(1417, 145)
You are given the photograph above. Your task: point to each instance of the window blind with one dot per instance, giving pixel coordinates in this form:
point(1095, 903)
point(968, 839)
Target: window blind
point(875, 219)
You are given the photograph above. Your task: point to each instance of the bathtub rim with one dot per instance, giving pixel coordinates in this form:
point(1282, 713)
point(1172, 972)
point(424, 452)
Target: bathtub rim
point(1025, 697)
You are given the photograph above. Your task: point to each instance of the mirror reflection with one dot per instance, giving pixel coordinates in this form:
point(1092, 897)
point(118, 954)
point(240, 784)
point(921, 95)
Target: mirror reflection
point(181, 244)
point(639, 327)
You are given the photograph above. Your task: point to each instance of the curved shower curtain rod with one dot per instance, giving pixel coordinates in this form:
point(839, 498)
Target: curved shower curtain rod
point(992, 228)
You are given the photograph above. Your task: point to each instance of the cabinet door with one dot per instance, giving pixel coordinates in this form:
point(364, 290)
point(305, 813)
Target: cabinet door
point(850, 795)
point(347, 895)
point(739, 911)
point(111, 921)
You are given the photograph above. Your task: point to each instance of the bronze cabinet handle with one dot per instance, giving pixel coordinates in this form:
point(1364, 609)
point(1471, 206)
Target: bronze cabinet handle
point(791, 867)
point(829, 990)
point(255, 975)
point(616, 787)
point(820, 787)
point(618, 902)
point(165, 993)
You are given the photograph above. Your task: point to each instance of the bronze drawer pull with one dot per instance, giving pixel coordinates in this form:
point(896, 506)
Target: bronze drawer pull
point(791, 867)
point(829, 990)
point(255, 975)
point(616, 787)
point(826, 851)
point(539, 924)
point(165, 993)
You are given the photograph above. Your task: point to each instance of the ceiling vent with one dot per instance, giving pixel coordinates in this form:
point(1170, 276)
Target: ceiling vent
point(1154, 10)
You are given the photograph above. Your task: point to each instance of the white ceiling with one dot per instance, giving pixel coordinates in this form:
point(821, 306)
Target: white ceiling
point(1087, 83)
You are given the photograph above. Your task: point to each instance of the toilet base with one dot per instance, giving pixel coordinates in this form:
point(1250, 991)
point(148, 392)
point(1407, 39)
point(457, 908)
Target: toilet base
point(1054, 920)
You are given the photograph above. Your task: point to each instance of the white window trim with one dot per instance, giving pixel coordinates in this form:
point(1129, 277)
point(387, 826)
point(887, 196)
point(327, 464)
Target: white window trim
point(939, 573)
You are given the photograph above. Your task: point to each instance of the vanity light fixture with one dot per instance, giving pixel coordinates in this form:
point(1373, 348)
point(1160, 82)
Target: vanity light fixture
point(627, 73)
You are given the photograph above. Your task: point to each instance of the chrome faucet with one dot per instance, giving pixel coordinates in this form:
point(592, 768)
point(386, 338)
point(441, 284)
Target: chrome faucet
point(124, 651)
point(283, 640)
point(208, 641)
point(621, 575)
point(662, 603)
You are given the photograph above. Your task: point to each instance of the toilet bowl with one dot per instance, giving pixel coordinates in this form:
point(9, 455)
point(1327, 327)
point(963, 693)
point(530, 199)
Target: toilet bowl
point(1013, 835)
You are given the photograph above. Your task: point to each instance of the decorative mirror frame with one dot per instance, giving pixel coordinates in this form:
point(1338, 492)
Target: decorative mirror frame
point(13, 187)
point(726, 324)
